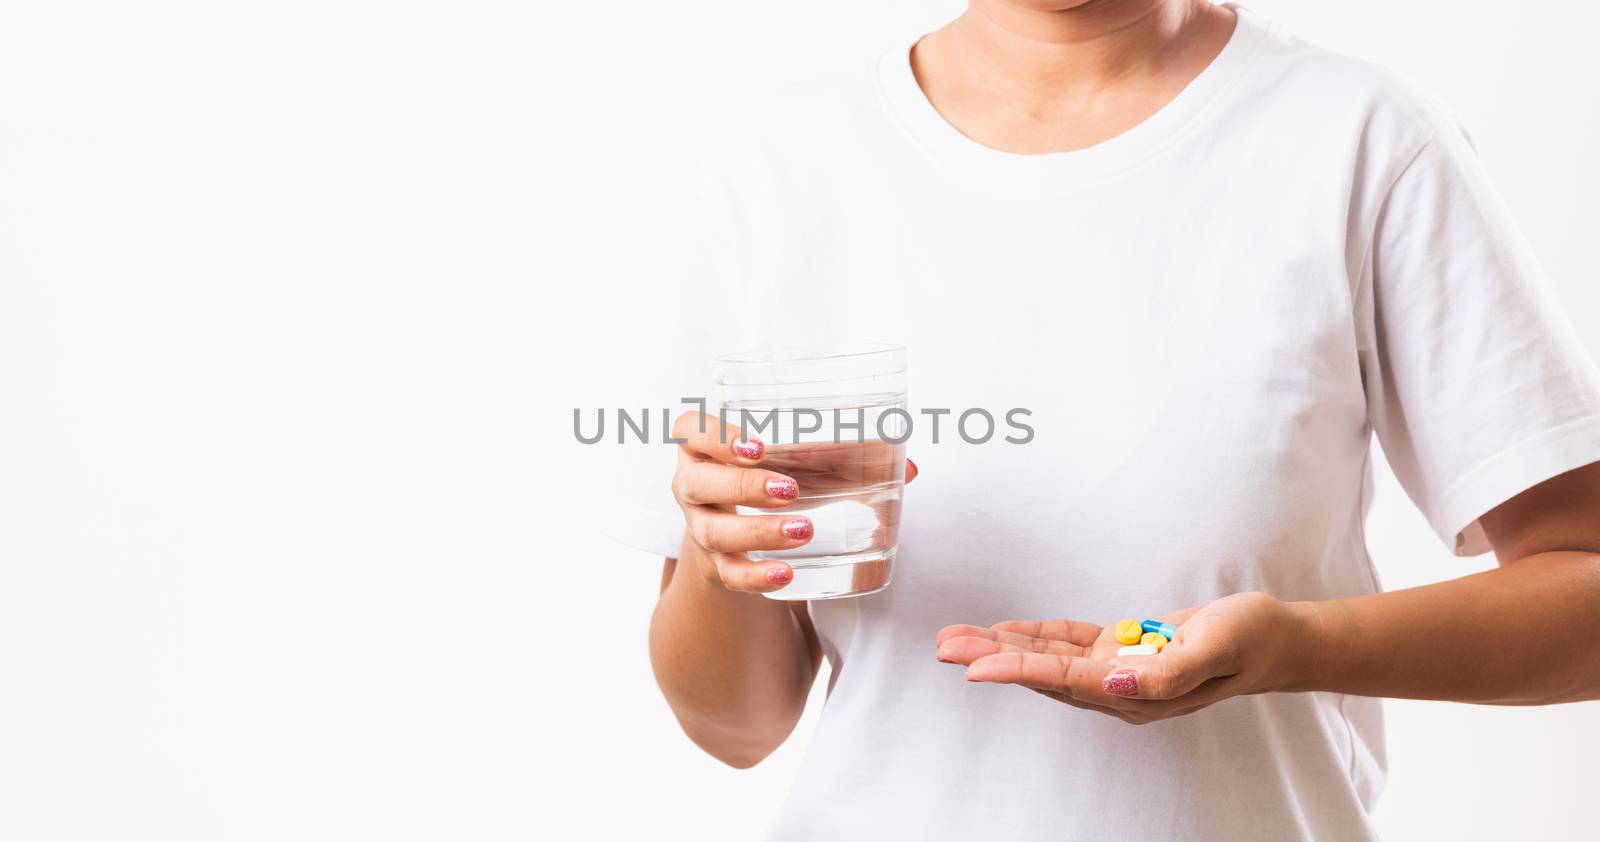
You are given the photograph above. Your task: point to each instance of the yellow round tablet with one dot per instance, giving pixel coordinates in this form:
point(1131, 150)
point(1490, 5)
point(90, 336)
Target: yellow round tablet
point(1156, 639)
point(1129, 632)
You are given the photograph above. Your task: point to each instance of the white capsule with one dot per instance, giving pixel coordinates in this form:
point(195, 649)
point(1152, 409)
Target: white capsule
point(1139, 649)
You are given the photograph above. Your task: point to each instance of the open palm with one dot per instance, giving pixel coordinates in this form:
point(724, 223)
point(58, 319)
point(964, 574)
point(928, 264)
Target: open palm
point(1075, 662)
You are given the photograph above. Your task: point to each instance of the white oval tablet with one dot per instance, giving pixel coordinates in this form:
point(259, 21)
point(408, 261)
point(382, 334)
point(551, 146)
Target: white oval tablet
point(1137, 649)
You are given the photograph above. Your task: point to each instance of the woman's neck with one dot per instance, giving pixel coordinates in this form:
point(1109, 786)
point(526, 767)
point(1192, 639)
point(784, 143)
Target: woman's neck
point(1028, 80)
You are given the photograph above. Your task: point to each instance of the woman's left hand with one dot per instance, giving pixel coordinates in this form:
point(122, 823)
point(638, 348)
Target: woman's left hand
point(1244, 643)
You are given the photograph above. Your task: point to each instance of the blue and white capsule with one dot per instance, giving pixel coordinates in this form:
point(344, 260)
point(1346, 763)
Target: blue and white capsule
point(1167, 630)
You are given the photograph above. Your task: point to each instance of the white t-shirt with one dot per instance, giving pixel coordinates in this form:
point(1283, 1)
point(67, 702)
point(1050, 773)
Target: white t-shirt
point(1208, 317)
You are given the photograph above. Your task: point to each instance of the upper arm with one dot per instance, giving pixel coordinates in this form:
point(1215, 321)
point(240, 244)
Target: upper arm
point(1478, 387)
point(1561, 513)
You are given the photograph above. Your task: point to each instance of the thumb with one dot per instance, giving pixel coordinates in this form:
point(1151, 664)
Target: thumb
point(1172, 673)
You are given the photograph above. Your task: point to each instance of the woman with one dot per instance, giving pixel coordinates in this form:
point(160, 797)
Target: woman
point(1213, 261)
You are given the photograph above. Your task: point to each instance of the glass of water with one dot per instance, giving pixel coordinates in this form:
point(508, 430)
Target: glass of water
point(834, 418)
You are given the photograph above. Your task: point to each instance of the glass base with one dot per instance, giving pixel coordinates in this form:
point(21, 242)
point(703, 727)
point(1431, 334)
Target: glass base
point(837, 577)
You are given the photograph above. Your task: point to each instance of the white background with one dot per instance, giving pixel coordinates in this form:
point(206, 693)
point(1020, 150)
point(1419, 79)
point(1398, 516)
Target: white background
point(295, 301)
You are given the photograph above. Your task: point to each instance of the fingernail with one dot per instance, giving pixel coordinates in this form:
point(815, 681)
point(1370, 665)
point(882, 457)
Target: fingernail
point(779, 575)
point(783, 488)
point(1121, 683)
point(797, 528)
point(749, 448)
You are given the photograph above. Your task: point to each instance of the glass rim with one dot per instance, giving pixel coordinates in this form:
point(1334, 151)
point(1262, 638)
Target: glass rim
point(808, 353)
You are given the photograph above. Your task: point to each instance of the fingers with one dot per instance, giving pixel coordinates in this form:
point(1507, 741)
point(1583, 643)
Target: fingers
point(715, 474)
point(1070, 661)
point(1080, 678)
point(1169, 675)
point(961, 630)
point(721, 532)
point(706, 483)
point(964, 644)
point(1177, 671)
point(707, 436)
point(1077, 633)
point(965, 650)
point(1072, 631)
point(738, 573)
point(1082, 683)
point(836, 465)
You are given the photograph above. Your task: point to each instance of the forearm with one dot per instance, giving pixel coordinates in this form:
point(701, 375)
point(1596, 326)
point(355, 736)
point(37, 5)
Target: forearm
point(1524, 633)
point(736, 668)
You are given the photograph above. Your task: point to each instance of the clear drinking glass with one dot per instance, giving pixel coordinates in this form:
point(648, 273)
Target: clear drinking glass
point(834, 418)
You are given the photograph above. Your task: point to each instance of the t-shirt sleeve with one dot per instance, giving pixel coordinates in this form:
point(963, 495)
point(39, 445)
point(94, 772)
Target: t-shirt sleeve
point(1478, 387)
point(701, 296)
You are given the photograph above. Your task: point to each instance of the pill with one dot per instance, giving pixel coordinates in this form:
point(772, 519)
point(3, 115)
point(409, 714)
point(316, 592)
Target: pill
point(1167, 630)
point(1141, 649)
point(1128, 631)
point(1156, 639)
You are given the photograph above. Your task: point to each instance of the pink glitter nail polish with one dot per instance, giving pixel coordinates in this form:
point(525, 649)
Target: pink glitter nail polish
point(1121, 683)
point(783, 488)
point(749, 448)
point(778, 575)
point(797, 528)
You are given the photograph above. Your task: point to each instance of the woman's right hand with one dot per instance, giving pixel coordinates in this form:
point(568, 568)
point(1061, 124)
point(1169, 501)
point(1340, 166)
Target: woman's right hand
point(717, 470)
point(737, 670)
